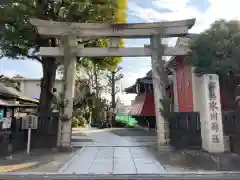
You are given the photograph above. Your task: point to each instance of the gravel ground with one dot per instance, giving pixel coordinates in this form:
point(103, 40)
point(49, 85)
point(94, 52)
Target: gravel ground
point(184, 160)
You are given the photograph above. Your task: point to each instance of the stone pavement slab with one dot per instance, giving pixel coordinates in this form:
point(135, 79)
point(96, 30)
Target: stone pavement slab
point(114, 160)
point(109, 153)
point(124, 166)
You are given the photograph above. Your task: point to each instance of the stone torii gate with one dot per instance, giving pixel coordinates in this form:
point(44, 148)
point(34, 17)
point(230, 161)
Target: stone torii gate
point(68, 32)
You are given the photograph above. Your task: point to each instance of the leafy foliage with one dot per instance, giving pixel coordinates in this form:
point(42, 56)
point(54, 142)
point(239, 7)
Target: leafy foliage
point(78, 121)
point(217, 50)
point(19, 38)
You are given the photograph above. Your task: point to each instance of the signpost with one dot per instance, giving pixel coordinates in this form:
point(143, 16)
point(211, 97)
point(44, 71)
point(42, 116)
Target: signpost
point(29, 122)
point(29, 140)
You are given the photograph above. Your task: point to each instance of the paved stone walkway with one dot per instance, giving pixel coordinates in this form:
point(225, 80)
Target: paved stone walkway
point(111, 154)
point(113, 160)
point(102, 138)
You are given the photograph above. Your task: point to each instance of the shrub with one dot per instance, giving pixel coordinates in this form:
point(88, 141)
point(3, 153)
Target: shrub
point(74, 122)
point(81, 121)
point(78, 121)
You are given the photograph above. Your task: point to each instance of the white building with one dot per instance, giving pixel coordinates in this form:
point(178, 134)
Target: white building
point(32, 87)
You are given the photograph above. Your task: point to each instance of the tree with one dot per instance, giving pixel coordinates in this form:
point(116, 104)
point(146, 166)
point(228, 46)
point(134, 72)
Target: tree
point(95, 68)
point(112, 77)
point(19, 39)
point(217, 51)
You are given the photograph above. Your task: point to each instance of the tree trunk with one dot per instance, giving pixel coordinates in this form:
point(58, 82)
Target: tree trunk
point(113, 96)
point(95, 74)
point(49, 66)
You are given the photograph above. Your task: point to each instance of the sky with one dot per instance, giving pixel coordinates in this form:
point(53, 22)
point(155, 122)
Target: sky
point(205, 12)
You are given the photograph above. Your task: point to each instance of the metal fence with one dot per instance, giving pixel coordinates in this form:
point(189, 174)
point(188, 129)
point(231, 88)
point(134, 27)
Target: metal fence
point(185, 130)
point(231, 128)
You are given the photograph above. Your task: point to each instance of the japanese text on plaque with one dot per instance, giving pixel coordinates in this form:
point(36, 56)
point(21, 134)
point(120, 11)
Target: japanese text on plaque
point(213, 112)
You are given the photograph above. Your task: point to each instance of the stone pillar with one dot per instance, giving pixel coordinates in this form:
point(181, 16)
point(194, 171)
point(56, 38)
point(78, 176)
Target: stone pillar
point(114, 42)
point(159, 78)
point(69, 48)
point(211, 115)
point(194, 90)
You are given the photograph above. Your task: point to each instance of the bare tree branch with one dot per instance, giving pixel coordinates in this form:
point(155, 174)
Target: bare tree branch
point(35, 57)
point(118, 69)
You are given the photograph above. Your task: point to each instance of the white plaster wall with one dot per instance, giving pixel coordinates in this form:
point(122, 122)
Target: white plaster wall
point(31, 88)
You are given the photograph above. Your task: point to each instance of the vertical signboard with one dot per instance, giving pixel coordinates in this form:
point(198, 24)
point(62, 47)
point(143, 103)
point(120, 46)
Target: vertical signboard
point(214, 116)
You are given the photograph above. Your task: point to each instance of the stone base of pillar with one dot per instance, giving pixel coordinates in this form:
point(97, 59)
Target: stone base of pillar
point(66, 132)
point(163, 137)
point(164, 147)
point(65, 148)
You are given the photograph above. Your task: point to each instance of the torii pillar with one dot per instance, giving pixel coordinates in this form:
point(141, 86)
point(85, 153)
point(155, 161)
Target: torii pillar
point(159, 80)
point(69, 48)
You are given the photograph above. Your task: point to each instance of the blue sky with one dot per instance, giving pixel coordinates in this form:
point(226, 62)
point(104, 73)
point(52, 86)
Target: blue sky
point(205, 11)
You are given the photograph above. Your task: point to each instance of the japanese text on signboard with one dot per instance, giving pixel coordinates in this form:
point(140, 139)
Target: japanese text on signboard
point(213, 111)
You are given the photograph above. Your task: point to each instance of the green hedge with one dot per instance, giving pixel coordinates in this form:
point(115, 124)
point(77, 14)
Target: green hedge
point(78, 122)
point(126, 119)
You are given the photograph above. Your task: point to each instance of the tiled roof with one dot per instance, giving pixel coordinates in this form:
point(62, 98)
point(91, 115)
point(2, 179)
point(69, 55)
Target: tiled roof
point(11, 92)
point(182, 42)
point(8, 91)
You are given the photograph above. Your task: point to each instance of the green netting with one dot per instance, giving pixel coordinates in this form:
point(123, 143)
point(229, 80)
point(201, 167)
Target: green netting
point(126, 119)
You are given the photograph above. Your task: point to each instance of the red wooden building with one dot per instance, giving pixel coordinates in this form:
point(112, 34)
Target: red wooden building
point(143, 108)
point(183, 88)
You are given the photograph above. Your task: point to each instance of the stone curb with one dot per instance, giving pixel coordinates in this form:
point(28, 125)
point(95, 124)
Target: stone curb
point(211, 175)
point(66, 165)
